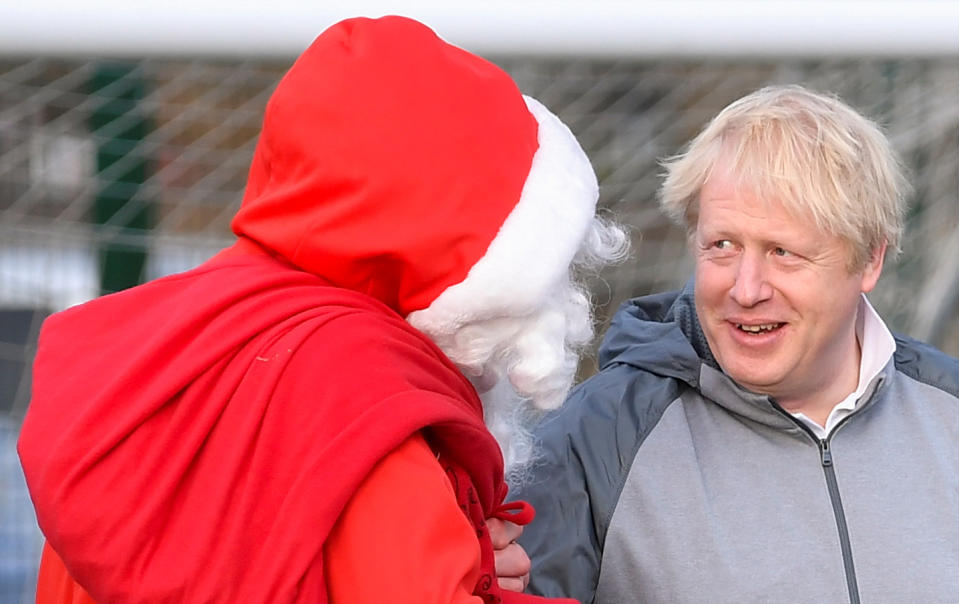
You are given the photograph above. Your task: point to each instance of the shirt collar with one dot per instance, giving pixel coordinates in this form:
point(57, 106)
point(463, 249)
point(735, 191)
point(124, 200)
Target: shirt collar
point(877, 346)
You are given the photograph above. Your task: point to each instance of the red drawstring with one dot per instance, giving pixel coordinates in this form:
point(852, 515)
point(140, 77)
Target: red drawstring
point(517, 512)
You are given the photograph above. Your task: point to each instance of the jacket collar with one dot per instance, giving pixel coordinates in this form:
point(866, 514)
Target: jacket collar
point(661, 334)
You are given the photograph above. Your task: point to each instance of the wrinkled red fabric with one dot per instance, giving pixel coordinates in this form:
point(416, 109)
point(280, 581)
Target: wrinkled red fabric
point(195, 438)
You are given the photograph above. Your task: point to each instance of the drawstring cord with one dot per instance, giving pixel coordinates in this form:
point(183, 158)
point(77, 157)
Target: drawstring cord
point(517, 512)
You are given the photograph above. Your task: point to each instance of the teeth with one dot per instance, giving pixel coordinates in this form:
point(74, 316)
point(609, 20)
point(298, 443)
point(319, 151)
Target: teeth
point(758, 328)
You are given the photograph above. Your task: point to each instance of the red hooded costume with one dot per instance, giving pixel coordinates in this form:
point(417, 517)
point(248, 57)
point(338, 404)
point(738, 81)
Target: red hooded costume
point(197, 438)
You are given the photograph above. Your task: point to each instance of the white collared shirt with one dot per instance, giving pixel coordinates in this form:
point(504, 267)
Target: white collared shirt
point(877, 346)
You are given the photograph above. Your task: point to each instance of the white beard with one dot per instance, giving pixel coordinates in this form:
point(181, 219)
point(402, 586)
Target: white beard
point(521, 367)
point(509, 417)
point(530, 372)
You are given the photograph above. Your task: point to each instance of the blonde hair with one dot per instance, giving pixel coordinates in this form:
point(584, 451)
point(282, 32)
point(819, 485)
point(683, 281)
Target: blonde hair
point(813, 153)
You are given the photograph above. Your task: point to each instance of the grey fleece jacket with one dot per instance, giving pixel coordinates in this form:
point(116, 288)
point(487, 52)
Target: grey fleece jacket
point(662, 480)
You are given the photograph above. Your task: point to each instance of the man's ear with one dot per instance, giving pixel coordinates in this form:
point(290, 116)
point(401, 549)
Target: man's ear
point(873, 268)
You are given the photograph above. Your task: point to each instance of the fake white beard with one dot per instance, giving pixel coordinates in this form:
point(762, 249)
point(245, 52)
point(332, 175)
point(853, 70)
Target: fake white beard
point(509, 417)
point(522, 367)
point(535, 353)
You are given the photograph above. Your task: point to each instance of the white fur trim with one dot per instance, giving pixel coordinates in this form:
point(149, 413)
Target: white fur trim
point(535, 245)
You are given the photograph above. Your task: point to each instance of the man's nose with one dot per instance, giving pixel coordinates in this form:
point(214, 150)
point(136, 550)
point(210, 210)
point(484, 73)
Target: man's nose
point(752, 280)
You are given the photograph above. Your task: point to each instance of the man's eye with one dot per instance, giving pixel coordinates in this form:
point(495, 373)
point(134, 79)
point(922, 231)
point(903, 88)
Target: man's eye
point(782, 252)
point(723, 244)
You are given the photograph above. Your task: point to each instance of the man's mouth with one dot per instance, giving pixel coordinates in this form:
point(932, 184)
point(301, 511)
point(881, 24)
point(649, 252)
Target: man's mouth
point(760, 328)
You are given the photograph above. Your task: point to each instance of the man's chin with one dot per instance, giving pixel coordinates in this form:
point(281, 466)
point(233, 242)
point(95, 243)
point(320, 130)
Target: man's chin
point(758, 384)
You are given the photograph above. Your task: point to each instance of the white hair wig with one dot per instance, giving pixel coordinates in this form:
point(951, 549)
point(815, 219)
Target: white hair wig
point(524, 364)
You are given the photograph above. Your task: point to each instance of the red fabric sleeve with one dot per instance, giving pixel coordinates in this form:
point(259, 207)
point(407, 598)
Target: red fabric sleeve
point(402, 538)
point(55, 585)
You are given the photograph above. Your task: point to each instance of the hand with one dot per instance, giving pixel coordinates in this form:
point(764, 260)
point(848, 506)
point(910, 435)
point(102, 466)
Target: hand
point(512, 563)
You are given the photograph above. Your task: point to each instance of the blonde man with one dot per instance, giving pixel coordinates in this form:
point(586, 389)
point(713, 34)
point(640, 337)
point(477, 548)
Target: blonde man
point(761, 436)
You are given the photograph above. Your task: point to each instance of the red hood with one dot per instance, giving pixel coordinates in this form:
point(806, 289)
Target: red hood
point(399, 209)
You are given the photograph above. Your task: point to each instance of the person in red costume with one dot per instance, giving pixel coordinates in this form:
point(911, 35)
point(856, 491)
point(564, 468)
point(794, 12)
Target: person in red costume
point(321, 412)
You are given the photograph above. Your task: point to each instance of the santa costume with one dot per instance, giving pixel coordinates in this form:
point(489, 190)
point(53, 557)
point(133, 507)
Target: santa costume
point(270, 427)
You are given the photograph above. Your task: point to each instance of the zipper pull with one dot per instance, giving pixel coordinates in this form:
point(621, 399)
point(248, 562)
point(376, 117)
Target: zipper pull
point(826, 453)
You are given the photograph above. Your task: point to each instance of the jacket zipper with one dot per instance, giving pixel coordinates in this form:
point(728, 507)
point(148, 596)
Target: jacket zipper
point(825, 457)
point(837, 509)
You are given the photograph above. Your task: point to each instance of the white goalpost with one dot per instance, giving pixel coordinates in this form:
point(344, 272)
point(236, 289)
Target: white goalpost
point(598, 28)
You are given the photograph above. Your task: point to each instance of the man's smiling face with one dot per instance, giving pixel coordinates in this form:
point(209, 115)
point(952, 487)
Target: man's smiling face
point(775, 295)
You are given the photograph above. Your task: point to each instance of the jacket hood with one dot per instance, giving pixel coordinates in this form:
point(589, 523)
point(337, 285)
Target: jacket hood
point(659, 333)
